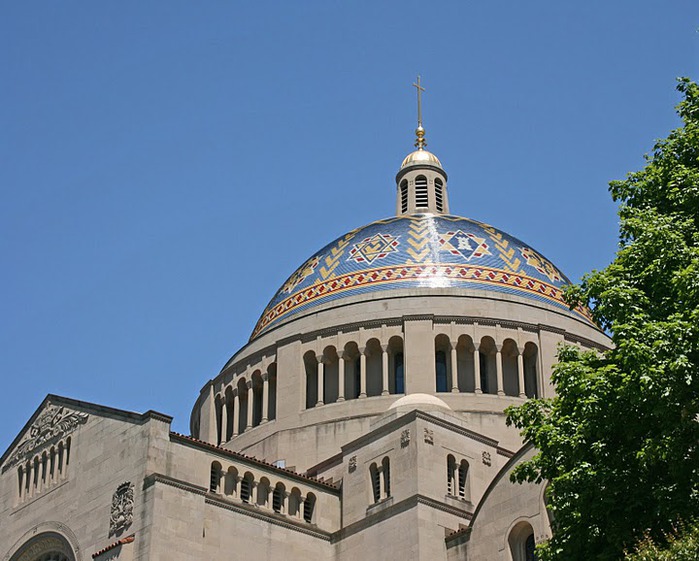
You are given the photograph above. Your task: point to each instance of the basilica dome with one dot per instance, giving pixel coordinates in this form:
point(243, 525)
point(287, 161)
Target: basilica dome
point(418, 251)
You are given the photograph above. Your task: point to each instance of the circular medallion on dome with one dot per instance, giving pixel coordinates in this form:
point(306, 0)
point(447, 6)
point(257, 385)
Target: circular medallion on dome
point(418, 251)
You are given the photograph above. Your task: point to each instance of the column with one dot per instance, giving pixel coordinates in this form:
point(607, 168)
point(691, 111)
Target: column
point(236, 487)
point(477, 370)
point(299, 513)
point(42, 475)
point(248, 385)
point(30, 479)
point(454, 368)
point(384, 369)
point(224, 420)
point(285, 502)
point(265, 397)
point(210, 421)
point(498, 367)
point(236, 413)
point(341, 376)
point(520, 374)
point(362, 373)
point(321, 380)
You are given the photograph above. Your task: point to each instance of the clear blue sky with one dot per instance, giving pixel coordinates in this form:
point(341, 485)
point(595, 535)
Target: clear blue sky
point(164, 166)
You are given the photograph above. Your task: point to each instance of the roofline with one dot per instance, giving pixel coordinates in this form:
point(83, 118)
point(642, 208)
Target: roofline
point(190, 440)
point(54, 399)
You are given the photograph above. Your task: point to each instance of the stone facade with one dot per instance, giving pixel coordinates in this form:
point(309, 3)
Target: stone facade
point(366, 424)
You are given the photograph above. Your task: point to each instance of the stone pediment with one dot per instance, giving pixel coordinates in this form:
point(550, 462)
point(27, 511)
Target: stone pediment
point(51, 423)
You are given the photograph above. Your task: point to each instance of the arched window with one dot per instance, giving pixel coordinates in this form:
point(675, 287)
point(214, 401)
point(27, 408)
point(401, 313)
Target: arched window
point(357, 377)
point(231, 482)
point(263, 492)
point(439, 194)
point(485, 374)
point(404, 196)
point(20, 478)
point(215, 477)
point(441, 371)
point(399, 373)
point(294, 506)
point(463, 480)
point(531, 352)
point(27, 478)
point(52, 461)
point(421, 200)
point(246, 487)
point(272, 373)
point(68, 440)
point(309, 506)
point(311, 365)
point(451, 475)
point(60, 459)
point(386, 472)
point(522, 543)
point(44, 467)
point(279, 498)
point(256, 398)
point(229, 406)
point(375, 482)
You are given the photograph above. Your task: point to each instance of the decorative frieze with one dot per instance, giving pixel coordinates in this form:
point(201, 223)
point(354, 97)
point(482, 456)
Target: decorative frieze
point(54, 423)
point(122, 508)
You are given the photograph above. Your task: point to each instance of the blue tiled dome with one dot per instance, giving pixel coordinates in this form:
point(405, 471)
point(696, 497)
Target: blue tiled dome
point(423, 250)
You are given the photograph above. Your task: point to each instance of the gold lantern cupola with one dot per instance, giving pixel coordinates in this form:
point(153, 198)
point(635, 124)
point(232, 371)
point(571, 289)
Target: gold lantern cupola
point(421, 182)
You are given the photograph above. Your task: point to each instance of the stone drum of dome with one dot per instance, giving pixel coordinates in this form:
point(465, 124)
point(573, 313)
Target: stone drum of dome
point(418, 251)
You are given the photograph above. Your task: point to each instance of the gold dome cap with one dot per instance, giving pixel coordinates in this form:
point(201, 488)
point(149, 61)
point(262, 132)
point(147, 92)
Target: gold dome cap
point(421, 157)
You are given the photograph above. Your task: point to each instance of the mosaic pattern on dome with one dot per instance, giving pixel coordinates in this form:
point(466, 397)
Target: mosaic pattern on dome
point(418, 251)
point(465, 244)
point(540, 264)
point(372, 248)
point(300, 275)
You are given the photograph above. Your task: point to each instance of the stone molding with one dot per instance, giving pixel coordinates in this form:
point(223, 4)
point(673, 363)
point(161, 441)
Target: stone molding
point(393, 510)
point(274, 519)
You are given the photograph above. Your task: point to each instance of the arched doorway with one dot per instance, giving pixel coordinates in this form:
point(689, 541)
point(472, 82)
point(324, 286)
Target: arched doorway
point(48, 546)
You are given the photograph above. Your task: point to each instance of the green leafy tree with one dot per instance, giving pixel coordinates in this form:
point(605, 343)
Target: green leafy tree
point(680, 546)
point(619, 443)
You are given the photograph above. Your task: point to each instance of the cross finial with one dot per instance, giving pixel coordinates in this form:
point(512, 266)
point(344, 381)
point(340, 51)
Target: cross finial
point(420, 142)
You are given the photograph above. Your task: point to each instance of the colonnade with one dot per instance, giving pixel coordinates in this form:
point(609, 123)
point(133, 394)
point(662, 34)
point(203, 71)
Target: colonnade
point(251, 402)
point(246, 489)
point(354, 372)
point(500, 368)
point(44, 470)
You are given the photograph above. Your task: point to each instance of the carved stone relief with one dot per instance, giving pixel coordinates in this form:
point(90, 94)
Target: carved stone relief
point(405, 438)
point(352, 464)
point(429, 436)
point(122, 508)
point(54, 423)
point(486, 458)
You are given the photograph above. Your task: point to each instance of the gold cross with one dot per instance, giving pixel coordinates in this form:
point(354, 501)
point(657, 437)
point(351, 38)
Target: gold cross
point(420, 89)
